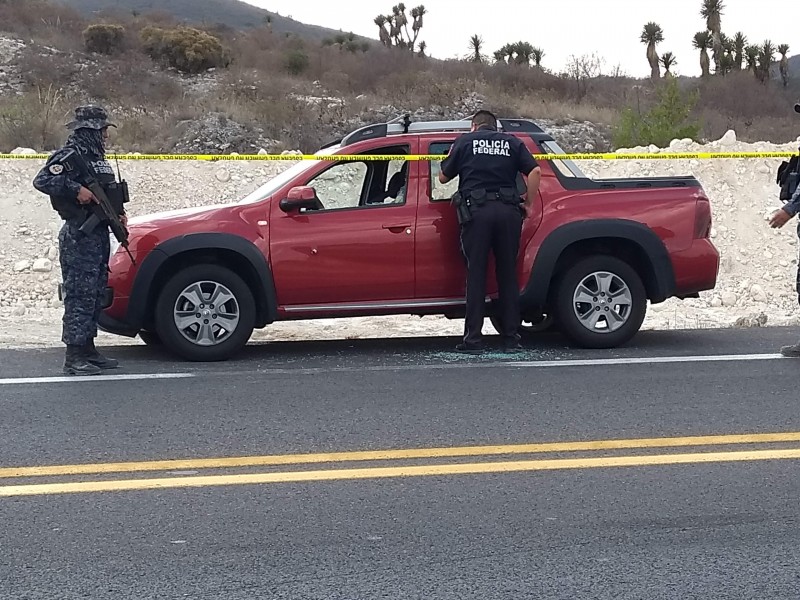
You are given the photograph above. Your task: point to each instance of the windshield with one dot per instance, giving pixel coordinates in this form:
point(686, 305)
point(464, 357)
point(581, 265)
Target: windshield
point(284, 177)
point(566, 166)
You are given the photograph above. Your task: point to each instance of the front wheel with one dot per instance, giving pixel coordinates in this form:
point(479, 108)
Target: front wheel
point(205, 313)
point(600, 302)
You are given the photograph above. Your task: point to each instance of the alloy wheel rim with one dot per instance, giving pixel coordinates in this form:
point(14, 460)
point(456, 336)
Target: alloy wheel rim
point(602, 302)
point(206, 313)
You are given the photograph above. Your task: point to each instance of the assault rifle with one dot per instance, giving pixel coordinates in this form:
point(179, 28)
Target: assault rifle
point(105, 210)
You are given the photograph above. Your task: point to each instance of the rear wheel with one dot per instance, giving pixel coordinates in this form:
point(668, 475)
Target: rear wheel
point(205, 313)
point(600, 302)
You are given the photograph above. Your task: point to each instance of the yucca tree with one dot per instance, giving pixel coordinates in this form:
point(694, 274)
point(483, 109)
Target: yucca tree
point(711, 11)
point(524, 53)
point(397, 33)
point(537, 55)
point(751, 53)
point(784, 50)
point(668, 61)
point(766, 56)
point(702, 41)
point(475, 47)
point(728, 49)
point(385, 37)
point(506, 53)
point(739, 44)
point(422, 47)
point(652, 34)
point(417, 13)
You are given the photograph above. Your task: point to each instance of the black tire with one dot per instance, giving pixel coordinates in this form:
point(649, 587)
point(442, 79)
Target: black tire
point(150, 338)
point(570, 323)
point(242, 303)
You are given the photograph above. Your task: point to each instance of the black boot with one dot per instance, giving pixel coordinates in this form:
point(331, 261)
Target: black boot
point(76, 363)
point(97, 359)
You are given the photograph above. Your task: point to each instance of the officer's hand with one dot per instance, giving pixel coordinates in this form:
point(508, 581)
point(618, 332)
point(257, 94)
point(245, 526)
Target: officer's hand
point(85, 196)
point(779, 218)
point(124, 220)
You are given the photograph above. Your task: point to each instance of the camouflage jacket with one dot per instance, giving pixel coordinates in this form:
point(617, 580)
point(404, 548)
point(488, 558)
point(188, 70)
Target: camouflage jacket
point(53, 179)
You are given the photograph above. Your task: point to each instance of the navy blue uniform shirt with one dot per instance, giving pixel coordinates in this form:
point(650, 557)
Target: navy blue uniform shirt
point(487, 159)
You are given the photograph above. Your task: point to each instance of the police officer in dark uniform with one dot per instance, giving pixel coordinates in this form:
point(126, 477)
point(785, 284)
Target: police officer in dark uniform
point(487, 163)
point(83, 255)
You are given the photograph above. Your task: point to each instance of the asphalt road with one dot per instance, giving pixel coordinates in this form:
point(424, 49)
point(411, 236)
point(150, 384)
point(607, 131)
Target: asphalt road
point(396, 469)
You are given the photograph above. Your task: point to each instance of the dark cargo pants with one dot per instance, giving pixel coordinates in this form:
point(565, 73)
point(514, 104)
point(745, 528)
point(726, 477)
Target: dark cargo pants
point(495, 227)
point(84, 271)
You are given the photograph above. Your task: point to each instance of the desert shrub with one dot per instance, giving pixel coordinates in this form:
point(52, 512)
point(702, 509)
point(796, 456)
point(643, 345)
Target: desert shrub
point(185, 48)
point(103, 39)
point(131, 81)
point(35, 120)
point(37, 17)
point(296, 62)
point(669, 119)
point(39, 69)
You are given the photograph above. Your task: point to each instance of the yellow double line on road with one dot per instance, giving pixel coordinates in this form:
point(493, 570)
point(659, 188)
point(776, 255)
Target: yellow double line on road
point(37, 489)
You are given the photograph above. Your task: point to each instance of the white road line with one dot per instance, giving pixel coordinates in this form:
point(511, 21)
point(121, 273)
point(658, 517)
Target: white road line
point(93, 378)
point(647, 360)
point(467, 363)
point(476, 363)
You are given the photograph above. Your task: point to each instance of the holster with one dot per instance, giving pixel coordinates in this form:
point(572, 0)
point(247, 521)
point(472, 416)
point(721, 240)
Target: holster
point(463, 208)
point(117, 193)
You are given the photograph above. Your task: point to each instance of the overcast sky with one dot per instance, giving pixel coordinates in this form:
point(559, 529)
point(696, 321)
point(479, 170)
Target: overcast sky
point(610, 28)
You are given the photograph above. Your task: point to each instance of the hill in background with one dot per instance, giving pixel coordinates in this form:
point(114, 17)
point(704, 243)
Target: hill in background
point(232, 13)
point(243, 83)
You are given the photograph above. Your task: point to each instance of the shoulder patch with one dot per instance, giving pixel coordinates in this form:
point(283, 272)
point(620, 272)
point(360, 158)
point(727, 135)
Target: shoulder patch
point(56, 169)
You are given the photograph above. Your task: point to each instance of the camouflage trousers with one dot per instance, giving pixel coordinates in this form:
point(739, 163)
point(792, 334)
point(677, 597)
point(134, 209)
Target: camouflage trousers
point(84, 270)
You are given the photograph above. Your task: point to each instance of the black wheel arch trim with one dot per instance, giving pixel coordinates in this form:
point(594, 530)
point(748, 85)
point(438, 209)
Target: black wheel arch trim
point(156, 258)
point(535, 293)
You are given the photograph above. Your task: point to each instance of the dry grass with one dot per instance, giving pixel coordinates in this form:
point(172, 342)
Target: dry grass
point(254, 90)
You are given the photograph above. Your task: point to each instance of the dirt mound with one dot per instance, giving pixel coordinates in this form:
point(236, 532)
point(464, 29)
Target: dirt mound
point(755, 288)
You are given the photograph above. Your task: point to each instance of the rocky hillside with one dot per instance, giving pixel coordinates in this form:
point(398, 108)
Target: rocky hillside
point(221, 89)
point(231, 13)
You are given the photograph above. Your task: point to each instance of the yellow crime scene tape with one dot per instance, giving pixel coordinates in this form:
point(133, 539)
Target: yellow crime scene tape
point(428, 157)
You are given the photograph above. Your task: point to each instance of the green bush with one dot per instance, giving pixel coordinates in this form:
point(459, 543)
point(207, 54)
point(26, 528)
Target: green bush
point(666, 121)
point(104, 39)
point(296, 62)
point(185, 48)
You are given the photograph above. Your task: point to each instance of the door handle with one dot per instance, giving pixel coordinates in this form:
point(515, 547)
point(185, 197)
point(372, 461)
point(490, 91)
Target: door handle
point(396, 228)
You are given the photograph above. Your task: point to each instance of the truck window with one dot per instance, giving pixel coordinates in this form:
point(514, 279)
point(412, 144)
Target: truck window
point(368, 183)
point(566, 167)
point(440, 192)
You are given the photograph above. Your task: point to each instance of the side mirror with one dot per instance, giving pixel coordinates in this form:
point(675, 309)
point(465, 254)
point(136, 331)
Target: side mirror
point(300, 197)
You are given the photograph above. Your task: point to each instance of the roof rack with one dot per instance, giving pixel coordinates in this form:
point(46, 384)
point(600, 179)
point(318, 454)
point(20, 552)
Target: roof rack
point(403, 124)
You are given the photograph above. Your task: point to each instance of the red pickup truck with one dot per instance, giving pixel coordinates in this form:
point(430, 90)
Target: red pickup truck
point(379, 236)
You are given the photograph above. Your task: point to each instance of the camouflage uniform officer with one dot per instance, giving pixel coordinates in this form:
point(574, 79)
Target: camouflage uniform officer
point(83, 256)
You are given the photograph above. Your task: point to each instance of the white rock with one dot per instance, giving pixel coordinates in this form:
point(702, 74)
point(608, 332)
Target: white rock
point(42, 265)
point(18, 310)
point(22, 265)
point(758, 294)
point(52, 253)
point(729, 139)
point(223, 175)
point(728, 298)
point(24, 151)
point(716, 302)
